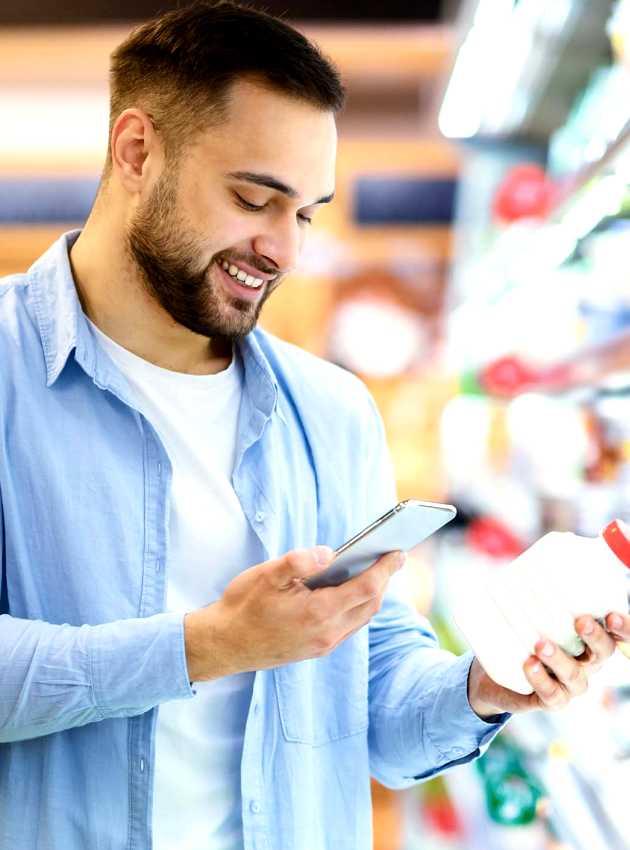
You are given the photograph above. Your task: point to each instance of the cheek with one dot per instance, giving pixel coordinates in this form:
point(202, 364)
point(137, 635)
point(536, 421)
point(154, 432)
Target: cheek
point(209, 215)
point(221, 224)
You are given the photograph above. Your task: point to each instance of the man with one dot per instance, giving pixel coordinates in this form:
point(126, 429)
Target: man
point(154, 445)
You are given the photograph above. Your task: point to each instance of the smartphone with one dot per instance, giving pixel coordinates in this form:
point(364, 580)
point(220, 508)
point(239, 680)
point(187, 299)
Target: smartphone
point(407, 524)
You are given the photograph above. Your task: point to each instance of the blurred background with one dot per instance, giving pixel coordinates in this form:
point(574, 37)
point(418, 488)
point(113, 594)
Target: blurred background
point(473, 272)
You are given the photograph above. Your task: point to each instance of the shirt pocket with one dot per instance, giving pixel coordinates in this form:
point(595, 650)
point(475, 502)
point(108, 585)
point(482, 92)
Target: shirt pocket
point(324, 699)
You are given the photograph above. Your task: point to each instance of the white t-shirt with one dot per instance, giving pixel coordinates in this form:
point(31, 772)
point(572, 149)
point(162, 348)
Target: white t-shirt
point(199, 742)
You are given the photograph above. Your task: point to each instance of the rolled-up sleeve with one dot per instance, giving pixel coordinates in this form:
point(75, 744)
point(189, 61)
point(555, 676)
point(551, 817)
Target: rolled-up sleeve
point(55, 677)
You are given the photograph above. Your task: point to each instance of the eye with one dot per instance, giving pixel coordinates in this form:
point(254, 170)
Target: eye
point(246, 204)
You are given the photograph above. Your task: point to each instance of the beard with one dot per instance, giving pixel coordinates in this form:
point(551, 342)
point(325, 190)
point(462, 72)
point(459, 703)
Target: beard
point(165, 253)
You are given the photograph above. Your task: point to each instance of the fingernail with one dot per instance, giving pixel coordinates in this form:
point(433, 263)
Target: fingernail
point(547, 650)
point(322, 554)
point(615, 621)
point(535, 668)
point(587, 628)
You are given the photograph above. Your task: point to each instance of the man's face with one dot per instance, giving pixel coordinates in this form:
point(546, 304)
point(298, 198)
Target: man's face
point(237, 204)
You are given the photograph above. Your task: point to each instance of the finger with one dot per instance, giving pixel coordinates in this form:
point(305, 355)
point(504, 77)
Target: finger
point(367, 586)
point(358, 617)
point(600, 644)
point(570, 673)
point(297, 565)
point(551, 693)
point(619, 625)
point(361, 616)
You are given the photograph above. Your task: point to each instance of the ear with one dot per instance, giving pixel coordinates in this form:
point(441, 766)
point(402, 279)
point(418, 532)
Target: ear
point(135, 146)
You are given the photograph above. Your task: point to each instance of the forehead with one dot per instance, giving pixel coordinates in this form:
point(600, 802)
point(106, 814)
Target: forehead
point(271, 133)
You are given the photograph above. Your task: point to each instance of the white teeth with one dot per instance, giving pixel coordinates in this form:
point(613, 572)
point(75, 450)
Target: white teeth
point(254, 282)
point(242, 277)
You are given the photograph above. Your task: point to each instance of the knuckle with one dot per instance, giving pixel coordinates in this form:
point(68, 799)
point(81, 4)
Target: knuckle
point(324, 643)
point(371, 587)
point(557, 699)
point(375, 605)
point(319, 648)
point(316, 614)
point(266, 580)
point(575, 676)
point(322, 609)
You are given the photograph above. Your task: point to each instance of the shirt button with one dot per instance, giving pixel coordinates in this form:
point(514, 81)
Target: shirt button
point(260, 515)
point(255, 807)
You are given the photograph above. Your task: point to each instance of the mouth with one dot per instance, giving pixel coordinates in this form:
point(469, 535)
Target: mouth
point(250, 289)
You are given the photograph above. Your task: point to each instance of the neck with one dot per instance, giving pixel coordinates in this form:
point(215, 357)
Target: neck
point(111, 293)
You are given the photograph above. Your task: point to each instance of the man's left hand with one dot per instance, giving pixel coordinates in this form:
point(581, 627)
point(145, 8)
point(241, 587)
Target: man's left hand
point(570, 675)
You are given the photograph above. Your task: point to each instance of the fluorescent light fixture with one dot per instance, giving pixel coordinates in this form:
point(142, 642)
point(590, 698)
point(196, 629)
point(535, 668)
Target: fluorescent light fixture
point(477, 69)
point(460, 113)
point(499, 65)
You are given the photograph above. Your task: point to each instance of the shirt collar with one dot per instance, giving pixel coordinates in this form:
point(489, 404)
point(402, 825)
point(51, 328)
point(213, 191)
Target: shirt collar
point(57, 304)
point(63, 327)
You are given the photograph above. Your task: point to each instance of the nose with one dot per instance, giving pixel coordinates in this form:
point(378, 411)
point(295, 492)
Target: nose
point(281, 243)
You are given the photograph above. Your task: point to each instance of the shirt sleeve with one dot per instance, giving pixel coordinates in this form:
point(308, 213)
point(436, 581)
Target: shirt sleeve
point(421, 722)
point(55, 677)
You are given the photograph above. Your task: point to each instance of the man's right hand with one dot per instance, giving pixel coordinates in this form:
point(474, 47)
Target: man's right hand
point(267, 617)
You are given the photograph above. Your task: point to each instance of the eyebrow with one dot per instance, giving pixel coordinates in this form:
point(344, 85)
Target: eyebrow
point(272, 182)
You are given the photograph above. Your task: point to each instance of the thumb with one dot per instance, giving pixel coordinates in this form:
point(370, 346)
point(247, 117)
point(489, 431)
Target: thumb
point(300, 563)
point(323, 555)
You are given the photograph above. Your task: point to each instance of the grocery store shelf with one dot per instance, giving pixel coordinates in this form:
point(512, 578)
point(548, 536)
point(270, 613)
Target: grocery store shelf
point(527, 277)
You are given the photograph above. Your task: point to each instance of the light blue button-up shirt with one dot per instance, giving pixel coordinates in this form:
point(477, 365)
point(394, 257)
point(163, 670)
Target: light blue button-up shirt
point(88, 653)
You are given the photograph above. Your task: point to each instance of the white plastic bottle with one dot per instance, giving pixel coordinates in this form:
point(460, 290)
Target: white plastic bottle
point(505, 611)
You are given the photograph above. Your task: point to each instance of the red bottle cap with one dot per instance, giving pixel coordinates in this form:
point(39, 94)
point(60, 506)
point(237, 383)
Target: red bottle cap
point(617, 535)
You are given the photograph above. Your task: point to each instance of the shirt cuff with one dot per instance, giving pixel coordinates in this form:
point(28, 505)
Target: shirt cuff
point(454, 717)
point(496, 721)
point(139, 663)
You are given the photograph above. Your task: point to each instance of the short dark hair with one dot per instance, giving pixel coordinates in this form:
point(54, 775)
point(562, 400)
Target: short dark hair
point(179, 68)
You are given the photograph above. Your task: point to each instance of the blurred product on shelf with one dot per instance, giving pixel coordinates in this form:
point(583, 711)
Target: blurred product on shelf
point(510, 375)
point(493, 538)
point(439, 810)
point(525, 192)
point(512, 794)
point(535, 435)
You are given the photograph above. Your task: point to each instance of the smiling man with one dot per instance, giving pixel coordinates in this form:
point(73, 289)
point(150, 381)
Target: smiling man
point(168, 475)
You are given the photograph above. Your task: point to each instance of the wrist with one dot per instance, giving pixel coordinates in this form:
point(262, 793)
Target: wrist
point(482, 708)
point(193, 645)
point(204, 657)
